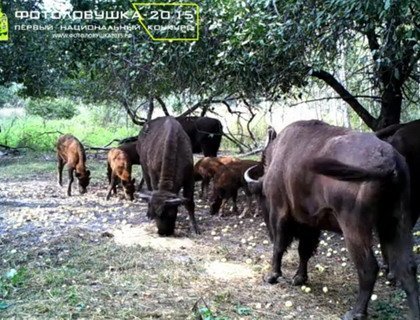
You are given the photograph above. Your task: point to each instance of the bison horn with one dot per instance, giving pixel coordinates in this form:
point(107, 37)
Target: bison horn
point(145, 196)
point(254, 186)
point(247, 178)
point(174, 201)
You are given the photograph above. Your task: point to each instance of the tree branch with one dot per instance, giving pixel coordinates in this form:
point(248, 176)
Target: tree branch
point(131, 114)
point(346, 96)
point(195, 107)
point(163, 105)
point(375, 98)
point(151, 109)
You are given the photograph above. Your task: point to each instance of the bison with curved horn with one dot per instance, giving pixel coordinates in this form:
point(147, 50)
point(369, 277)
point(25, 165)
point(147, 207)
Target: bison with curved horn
point(322, 177)
point(167, 163)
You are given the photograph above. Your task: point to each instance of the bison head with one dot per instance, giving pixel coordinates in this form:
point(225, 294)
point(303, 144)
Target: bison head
point(129, 189)
point(84, 179)
point(163, 207)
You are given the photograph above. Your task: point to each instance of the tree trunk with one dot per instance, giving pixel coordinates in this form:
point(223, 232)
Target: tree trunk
point(329, 79)
point(391, 101)
point(390, 108)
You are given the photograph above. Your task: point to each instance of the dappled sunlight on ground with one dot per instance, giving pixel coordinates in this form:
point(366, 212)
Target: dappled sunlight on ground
point(146, 235)
point(86, 257)
point(228, 270)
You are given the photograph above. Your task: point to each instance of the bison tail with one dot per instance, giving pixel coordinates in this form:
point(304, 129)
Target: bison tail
point(341, 171)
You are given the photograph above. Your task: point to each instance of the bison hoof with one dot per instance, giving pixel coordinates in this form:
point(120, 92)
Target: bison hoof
point(299, 280)
point(351, 316)
point(272, 277)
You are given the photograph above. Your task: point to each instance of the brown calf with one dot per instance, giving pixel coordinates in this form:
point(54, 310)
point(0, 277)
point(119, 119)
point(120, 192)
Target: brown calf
point(71, 152)
point(227, 182)
point(119, 167)
point(207, 167)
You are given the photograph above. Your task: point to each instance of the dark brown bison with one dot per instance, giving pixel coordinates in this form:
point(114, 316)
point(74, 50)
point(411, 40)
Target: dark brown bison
point(205, 134)
point(206, 168)
point(119, 168)
point(227, 181)
point(71, 152)
point(322, 177)
point(167, 163)
point(406, 139)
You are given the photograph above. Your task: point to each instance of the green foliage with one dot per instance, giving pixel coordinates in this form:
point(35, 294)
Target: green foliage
point(206, 314)
point(41, 135)
point(254, 49)
point(10, 281)
point(243, 310)
point(48, 109)
point(9, 95)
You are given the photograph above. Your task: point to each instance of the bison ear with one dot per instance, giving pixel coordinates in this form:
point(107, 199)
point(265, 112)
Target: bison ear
point(133, 180)
point(88, 173)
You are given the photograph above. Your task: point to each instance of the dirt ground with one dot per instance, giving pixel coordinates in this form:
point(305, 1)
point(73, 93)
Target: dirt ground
point(87, 258)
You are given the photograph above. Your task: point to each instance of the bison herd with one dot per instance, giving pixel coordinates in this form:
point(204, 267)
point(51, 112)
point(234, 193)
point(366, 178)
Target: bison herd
point(311, 177)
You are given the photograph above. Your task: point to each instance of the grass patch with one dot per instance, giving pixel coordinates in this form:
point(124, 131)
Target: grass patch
point(30, 164)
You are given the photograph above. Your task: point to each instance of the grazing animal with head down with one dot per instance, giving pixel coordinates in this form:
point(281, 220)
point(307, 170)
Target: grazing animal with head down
point(167, 163)
point(227, 181)
point(322, 177)
point(71, 152)
point(119, 168)
point(206, 168)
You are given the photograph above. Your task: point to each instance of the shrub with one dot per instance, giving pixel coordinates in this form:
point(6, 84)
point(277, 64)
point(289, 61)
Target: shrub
point(48, 109)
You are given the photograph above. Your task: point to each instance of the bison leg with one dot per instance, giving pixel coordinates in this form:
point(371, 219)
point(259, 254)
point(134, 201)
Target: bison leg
point(396, 248)
point(248, 203)
point(146, 178)
point(140, 186)
point(71, 179)
point(60, 166)
point(283, 237)
point(308, 242)
point(358, 241)
point(215, 206)
point(234, 200)
point(204, 187)
point(112, 186)
point(189, 205)
point(210, 145)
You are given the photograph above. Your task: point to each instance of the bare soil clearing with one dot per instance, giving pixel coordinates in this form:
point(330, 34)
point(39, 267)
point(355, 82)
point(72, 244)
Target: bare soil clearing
point(87, 258)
